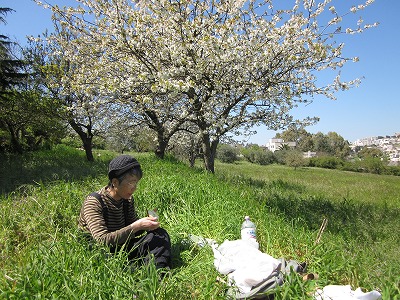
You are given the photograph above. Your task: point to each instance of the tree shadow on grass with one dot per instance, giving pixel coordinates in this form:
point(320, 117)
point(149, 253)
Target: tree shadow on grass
point(17, 171)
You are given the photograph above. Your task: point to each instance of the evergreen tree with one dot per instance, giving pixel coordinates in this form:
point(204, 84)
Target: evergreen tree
point(10, 68)
point(24, 125)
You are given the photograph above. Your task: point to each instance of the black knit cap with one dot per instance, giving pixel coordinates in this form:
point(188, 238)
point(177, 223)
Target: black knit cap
point(121, 164)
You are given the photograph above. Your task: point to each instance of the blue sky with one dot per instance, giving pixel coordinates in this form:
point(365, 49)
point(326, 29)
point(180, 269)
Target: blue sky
point(371, 109)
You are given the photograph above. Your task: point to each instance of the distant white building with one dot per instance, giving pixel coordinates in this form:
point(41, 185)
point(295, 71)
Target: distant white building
point(276, 144)
point(365, 142)
point(309, 154)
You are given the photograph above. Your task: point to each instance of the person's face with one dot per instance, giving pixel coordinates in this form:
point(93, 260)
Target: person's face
point(126, 187)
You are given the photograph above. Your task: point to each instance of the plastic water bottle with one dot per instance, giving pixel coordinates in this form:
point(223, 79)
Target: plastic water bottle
point(248, 229)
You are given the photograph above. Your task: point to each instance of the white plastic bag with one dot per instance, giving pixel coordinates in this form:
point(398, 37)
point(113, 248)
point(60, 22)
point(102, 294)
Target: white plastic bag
point(344, 292)
point(245, 265)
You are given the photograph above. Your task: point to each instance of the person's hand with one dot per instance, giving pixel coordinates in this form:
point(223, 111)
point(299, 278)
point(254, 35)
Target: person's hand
point(147, 223)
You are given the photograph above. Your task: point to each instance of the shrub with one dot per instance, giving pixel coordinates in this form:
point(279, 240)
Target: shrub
point(328, 162)
point(294, 158)
point(373, 165)
point(264, 157)
point(279, 156)
point(72, 141)
point(392, 170)
point(227, 153)
point(258, 155)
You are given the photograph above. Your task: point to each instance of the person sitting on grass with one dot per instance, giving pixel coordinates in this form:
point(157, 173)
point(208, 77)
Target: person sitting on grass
point(108, 216)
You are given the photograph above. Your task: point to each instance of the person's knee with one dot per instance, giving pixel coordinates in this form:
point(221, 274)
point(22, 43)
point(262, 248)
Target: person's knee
point(162, 232)
point(153, 239)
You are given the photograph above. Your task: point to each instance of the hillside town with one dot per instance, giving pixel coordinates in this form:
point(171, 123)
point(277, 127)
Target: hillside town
point(390, 145)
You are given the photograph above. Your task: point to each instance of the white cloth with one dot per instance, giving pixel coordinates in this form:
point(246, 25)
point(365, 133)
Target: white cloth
point(245, 265)
point(344, 292)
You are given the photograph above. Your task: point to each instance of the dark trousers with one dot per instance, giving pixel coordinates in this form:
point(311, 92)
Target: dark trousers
point(153, 243)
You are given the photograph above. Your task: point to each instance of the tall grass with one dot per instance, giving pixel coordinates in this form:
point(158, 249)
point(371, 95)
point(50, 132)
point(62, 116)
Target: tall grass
point(42, 256)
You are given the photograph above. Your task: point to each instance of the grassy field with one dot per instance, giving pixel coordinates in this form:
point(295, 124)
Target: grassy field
point(42, 257)
point(333, 184)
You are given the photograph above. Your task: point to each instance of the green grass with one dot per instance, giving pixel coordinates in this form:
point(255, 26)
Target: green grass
point(42, 257)
point(333, 184)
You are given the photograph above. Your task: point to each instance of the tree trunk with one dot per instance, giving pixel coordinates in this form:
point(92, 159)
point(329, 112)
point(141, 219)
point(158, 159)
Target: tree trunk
point(14, 141)
point(209, 152)
point(157, 126)
point(86, 138)
point(87, 145)
point(192, 153)
point(161, 146)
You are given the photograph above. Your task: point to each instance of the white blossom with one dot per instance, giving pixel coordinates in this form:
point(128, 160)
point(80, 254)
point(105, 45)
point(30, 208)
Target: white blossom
point(228, 63)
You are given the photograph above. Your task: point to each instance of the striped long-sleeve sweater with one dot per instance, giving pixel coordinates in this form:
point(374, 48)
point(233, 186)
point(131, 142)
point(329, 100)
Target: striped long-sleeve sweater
point(114, 231)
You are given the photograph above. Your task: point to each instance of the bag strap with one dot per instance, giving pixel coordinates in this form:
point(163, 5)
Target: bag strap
point(104, 207)
point(125, 204)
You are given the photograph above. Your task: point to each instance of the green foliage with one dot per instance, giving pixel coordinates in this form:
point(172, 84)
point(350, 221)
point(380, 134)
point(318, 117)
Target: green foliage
point(368, 164)
point(280, 156)
point(331, 144)
point(302, 138)
point(227, 153)
point(25, 124)
point(294, 159)
point(258, 155)
point(392, 170)
point(10, 68)
point(72, 141)
point(19, 126)
point(368, 152)
point(328, 162)
point(371, 164)
point(42, 256)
